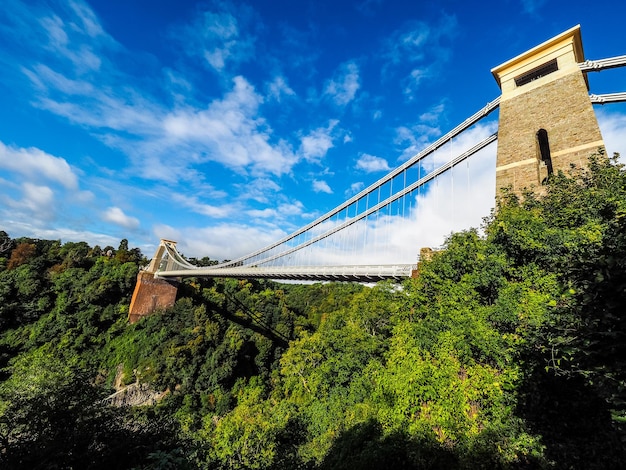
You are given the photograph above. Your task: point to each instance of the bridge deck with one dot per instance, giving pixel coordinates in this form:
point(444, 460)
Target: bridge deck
point(358, 273)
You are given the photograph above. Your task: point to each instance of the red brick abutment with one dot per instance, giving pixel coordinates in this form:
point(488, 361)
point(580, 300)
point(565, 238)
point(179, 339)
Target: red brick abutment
point(151, 294)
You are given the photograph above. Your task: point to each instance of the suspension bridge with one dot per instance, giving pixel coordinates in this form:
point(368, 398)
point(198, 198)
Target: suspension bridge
point(546, 122)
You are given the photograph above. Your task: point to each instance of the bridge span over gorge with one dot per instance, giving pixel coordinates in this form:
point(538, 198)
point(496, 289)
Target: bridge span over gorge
point(546, 122)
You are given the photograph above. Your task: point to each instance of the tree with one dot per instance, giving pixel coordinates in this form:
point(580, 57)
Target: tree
point(577, 231)
point(574, 357)
point(22, 253)
point(52, 416)
point(123, 245)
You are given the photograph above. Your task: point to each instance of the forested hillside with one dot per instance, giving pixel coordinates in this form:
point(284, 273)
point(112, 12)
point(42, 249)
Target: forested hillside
point(506, 352)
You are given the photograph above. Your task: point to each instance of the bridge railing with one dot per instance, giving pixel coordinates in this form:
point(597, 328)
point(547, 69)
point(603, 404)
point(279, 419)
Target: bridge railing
point(360, 273)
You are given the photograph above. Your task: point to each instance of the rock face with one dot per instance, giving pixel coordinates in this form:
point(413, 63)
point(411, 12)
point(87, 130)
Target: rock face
point(136, 394)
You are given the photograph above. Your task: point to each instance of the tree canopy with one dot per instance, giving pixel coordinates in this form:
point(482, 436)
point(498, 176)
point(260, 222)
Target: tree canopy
point(505, 352)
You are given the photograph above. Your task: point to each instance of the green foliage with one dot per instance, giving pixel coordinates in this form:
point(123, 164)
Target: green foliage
point(52, 416)
point(575, 232)
point(506, 352)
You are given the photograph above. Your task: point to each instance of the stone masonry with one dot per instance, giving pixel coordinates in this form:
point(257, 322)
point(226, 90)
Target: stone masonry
point(151, 294)
point(557, 101)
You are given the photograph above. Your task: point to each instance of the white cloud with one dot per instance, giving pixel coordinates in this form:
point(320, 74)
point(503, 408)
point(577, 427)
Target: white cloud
point(66, 38)
point(267, 220)
point(208, 210)
point(354, 189)
point(28, 229)
point(415, 138)
point(117, 216)
point(417, 39)
point(343, 87)
point(262, 190)
point(279, 88)
point(461, 143)
point(371, 163)
point(221, 29)
point(315, 145)
point(56, 31)
point(320, 186)
point(41, 196)
point(457, 200)
point(408, 43)
point(221, 37)
point(87, 18)
point(45, 78)
point(37, 165)
point(291, 208)
point(414, 80)
point(100, 108)
point(26, 201)
point(279, 212)
point(433, 115)
point(220, 242)
point(263, 213)
point(417, 51)
point(612, 125)
point(228, 132)
point(38, 200)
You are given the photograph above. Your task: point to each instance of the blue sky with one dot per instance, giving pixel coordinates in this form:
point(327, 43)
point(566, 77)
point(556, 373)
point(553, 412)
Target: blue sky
point(226, 125)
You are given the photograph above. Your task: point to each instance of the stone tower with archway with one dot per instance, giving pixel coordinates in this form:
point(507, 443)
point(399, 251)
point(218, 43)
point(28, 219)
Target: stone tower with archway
point(546, 118)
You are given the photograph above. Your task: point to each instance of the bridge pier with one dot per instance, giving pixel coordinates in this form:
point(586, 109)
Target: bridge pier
point(426, 254)
point(152, 293)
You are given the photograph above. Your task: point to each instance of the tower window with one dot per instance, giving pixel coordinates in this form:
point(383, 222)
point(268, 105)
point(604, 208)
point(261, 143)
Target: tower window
point(544, 150)
point(537, 72)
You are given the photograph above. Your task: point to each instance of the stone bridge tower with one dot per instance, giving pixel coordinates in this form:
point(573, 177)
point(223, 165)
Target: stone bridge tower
point(546, 118)
point(152, 293)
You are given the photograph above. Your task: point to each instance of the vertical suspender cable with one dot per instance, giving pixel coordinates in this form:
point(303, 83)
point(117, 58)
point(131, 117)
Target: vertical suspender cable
point(452, 182)
point(404, 197)
point(367, 206)
point(354, 238)
point(452, 191)
point(387, 219)
point(377, 230)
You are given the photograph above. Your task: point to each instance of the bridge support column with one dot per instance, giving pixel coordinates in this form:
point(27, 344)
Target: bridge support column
point(546, 118)
point(426, 254)
point(152, 293)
